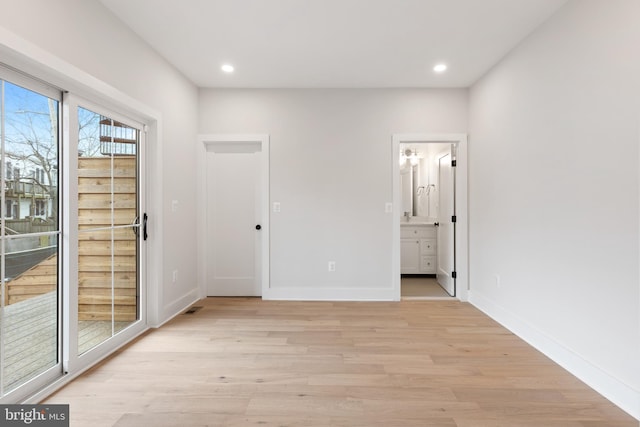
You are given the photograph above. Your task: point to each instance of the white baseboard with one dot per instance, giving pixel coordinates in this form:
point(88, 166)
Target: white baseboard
point(330, 294)
point(621, 394)
point(176, 307)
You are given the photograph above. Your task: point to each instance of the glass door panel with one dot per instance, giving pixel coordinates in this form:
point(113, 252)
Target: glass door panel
point(108, 286)
point(29, 317)
point(30, 327)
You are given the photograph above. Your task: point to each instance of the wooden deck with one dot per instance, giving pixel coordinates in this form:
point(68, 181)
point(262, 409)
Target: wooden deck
point(30, 337)
point(248, 362)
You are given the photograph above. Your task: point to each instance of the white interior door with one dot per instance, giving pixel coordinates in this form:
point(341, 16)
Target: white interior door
point(233, 216)
point(446, 230)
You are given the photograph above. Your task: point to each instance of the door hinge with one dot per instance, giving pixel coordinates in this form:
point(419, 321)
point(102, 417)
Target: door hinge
point(454, 274)
point(453, 163)
point(454, 218)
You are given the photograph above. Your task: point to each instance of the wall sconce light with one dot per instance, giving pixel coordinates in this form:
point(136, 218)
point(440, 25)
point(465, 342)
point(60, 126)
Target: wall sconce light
point(412, 157)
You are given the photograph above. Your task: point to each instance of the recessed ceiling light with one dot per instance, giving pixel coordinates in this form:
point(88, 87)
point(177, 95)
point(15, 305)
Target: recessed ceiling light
point(227, 68)
point(440, 68)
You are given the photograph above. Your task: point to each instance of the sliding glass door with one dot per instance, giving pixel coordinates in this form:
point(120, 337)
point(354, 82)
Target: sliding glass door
point(108, 227)
point(29, 234)
point(106, 231)
point(71, 268)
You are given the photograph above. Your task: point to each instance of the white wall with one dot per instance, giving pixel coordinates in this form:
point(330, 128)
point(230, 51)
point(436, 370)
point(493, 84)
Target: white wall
point(554, 134)
point(331, 171)
point(85, 35)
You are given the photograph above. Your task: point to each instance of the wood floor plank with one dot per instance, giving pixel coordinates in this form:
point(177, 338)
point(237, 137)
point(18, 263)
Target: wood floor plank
point(248, 362)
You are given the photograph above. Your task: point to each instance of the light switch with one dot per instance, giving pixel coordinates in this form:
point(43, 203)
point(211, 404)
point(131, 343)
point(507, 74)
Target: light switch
point(276, 206)
point(174, 206)
point(388, 207)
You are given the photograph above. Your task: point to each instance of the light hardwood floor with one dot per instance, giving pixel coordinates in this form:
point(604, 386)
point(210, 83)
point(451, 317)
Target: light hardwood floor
point(414, 287)
point(248, 362)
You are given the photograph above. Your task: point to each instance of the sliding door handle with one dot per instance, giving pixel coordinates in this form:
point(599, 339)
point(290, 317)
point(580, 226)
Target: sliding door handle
point(144, 226)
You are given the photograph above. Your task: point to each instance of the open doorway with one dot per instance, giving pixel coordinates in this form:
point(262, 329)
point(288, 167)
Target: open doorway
point(427, 232)
point(430, 233)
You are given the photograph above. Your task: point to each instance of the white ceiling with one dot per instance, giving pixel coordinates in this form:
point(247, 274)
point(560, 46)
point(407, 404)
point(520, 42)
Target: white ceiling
point(333, 43)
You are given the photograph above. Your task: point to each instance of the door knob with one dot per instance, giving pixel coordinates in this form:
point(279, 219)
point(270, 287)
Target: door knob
point(258, 227)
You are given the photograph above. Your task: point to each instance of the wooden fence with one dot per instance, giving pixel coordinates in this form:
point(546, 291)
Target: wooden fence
point(107, 260)
point(107, 257)
point(40, 279)
point(27, 225)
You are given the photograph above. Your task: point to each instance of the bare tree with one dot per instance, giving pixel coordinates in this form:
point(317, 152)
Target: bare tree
point(88, 133)
point(31, 143)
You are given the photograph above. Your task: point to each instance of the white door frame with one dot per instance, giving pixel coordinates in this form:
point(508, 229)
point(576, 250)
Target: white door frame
point(462, 229)
point(201, 150)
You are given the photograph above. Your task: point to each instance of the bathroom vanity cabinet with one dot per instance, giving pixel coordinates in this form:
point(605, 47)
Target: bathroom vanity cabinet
point(417, 249)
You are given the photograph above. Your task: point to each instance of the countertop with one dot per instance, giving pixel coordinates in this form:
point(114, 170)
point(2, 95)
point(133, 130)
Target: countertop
point(416, 221)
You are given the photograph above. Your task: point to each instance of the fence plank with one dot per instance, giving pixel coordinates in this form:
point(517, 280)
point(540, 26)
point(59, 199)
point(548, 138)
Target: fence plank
point(96, 274)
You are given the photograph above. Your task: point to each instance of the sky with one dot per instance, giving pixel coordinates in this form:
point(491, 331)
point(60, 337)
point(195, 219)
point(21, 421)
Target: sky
point(28, 129)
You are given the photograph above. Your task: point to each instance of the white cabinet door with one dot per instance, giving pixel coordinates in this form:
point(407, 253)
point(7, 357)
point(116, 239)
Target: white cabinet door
point(427, 246)
point(428, 264)
point(409, 256)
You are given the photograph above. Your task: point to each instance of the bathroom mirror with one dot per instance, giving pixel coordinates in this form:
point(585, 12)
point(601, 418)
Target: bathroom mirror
point(408, 181)
point(419, 178)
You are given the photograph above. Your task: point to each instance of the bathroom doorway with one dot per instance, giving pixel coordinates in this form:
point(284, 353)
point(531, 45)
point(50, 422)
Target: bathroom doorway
point(430, 231)
point(427, 247)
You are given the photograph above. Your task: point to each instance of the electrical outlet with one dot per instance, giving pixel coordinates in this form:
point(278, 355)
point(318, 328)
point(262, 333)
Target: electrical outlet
point(276, 206)
point(332, 266)
point(175, 276)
